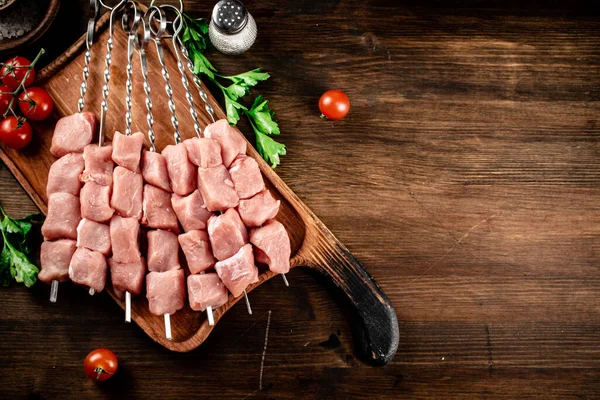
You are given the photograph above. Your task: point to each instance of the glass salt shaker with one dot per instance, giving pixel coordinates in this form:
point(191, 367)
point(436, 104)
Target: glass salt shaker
point(232, 29)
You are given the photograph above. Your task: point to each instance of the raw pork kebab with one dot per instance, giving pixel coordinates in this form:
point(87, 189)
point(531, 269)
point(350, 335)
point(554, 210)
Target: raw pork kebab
point(208, 186)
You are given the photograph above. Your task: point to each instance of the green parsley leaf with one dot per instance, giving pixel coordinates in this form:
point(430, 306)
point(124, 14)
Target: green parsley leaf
point(263, 124)
point(248, 79)
point(232, 107)
point(263, 116)
point(14, 263)
point(269, 149)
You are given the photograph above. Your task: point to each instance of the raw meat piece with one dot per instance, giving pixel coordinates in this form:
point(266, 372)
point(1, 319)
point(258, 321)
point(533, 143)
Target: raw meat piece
point(238, 271)
point(127, 277)
point(95, 202)
point(216, 188)
point(94, 236)
point(73, 133)
point(272, 246)
point(246, 177)
point(98, 164)
point(256, 210)
point(124, 234)
point(62, 218)
point(127, 150)
point(163, 251)
point(203, 152)
point(88, 268)
point(64, 175)
point(206, 290)
point(165, 291)
point(157, 209)
point(191, 211)
point(181, 171)
point(154, 170)
point(196, 247)
point(231, 141)
point(55, 258)
point(127, 193)
point(227, 234)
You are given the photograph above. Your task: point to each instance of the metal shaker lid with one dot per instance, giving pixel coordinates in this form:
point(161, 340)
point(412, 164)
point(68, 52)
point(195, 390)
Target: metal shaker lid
point(229, 16)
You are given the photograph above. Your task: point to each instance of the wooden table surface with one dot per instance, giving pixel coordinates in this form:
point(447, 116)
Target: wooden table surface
point(466, 178)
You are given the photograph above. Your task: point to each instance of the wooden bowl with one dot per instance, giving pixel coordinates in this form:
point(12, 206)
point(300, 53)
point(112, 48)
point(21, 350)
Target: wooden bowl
point(11, 45)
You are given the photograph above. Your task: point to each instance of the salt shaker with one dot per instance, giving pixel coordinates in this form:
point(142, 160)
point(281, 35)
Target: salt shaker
point(232, 29)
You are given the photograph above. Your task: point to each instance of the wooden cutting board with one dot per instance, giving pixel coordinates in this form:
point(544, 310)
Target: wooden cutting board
point(313, 245)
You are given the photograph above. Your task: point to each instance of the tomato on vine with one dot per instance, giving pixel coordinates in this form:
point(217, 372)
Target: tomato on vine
point(13, 72)
point(15, 132)
point(36, 104)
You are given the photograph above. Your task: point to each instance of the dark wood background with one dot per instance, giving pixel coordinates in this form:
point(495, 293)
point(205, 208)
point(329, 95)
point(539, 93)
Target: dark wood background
point(466, 178)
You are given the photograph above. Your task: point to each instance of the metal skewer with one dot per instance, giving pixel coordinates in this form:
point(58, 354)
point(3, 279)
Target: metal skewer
point(130, 31)
point(247, 302)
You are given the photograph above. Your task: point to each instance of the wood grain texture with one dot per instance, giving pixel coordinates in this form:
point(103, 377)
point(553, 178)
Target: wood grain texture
point(466, 177)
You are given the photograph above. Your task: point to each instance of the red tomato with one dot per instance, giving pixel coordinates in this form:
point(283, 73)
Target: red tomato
point(334, 104)
point(100, 364)
point(4, 99)
point(36, 104)
point(15, 132)
point(12, 72)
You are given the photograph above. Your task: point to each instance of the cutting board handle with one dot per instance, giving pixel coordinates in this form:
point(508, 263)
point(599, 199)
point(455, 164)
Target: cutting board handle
point(376, 324)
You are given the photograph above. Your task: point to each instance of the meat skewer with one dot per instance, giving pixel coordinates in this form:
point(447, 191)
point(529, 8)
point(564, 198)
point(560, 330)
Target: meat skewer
point(104, 176)
point(71, 135)
point(205, 290)
point(165, 287)
point(127, 264)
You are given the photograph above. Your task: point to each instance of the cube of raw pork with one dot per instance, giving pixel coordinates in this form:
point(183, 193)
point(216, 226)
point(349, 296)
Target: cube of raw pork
point(73, 133)
point(63, 217)
point(227, 234)
point(203, 152)
point(98, 164)
point(163, 251)
point(238, 271)
point(206, 290)
point(95, 202)
point(231, 141)
point(181, 171)
point(94, 236)
point(191, 211)
point(88, 268)
point(165, 291)
point(55, 258)
point(127, 277)
point(246, 177)
point(124, 236)
point(64, 175)
point(127, 150)
point(258, 209)
point(154, 170)
point(216, 188)
point(197, 250)
point(272, 246)
point(157, 209)
point(127, 193)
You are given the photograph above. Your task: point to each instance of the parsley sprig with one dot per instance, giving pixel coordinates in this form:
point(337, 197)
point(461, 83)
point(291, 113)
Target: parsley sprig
point(14, 261)
point(234, 88)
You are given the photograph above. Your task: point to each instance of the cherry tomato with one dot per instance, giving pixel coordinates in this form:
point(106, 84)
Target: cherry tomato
point(15, 132)
point(4, 99)
point(36, 104)
point(100, 364)
point(334, 104)
point(12, 76)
